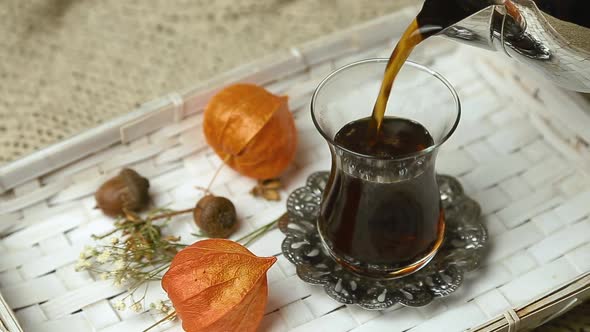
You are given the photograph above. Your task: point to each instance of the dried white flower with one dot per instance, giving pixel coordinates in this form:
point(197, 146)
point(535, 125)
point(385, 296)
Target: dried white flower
point(119, 264)
point(103, 257)
point(165, 309)
point(157, 305)
point(87, 252)
point(104, 276)
point(137, 307)
point(82, 264)
point(114, 241)
point(120, 305)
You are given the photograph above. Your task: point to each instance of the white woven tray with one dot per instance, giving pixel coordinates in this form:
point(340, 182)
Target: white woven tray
point(521, 150)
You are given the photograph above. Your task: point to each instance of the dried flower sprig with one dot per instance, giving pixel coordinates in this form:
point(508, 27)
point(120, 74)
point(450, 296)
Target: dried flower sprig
point(136, 252)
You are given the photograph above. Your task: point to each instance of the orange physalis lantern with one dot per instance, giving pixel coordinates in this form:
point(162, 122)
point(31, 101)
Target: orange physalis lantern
point(218, 285)
point(251, 129)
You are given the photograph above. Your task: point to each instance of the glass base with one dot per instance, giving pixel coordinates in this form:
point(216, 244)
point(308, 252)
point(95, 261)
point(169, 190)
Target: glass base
point(378, 272)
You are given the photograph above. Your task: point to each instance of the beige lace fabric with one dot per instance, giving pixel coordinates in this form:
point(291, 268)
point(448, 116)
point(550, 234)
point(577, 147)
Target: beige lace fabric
point(68, 65)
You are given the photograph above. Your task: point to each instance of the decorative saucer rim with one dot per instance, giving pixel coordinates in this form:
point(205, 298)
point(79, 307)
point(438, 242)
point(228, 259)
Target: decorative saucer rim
point(462, 250)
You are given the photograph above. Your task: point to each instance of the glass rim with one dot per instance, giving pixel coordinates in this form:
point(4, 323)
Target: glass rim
point(415, 65)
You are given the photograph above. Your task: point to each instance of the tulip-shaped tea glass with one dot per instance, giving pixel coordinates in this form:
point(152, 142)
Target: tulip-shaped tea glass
point(381, 216)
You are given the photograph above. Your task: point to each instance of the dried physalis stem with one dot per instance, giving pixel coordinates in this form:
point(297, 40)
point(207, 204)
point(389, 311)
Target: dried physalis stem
point(215, 216)
point(128, 191)
point(268, 189)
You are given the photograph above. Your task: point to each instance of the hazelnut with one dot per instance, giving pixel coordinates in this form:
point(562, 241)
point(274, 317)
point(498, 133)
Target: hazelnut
point(128, 191)
point(215, 216)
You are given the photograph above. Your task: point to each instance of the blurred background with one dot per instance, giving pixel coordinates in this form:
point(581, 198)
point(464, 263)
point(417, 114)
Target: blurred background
point(68, 65)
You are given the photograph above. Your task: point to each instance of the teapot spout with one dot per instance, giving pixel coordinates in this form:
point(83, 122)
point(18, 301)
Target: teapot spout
point(477, 29)
point(437, 16)
point(521, 30)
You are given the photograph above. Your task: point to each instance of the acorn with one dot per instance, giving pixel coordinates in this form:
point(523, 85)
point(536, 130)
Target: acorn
point(128, 191)
point(215, 216)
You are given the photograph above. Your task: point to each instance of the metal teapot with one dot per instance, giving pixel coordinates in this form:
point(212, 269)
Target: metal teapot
point(552, 36)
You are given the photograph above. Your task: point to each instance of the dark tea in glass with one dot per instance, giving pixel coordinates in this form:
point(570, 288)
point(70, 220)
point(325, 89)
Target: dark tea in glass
point(380, 214)
point(391, 226)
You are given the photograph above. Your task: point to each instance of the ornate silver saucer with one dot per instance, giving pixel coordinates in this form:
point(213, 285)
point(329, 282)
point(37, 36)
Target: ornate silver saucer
point(462, 250)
